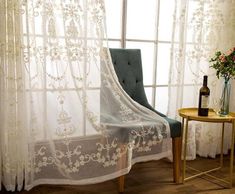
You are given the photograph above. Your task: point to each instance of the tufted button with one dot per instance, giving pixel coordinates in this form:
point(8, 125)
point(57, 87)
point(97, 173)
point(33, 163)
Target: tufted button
point(129, 63)
point(136, 81)
point(123, 81)
point(114, 62)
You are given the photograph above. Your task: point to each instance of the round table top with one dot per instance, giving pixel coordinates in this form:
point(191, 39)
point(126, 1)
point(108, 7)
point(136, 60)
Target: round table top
point(192, 114)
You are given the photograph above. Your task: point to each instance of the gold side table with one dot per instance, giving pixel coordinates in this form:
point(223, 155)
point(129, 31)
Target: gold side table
point(191, 114)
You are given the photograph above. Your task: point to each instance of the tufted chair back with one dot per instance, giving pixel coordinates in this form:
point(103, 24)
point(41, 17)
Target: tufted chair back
point(128, 66)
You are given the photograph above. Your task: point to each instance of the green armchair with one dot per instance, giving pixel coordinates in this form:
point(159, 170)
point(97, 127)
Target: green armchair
point(128, 67)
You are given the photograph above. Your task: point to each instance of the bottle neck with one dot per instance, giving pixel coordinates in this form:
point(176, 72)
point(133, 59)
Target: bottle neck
point(205, 81)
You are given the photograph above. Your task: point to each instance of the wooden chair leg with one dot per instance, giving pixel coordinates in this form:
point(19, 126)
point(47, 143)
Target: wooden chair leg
point(121, 180)
point(177, 149)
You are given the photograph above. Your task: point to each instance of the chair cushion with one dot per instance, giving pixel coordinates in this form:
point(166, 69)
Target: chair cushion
point(175, 127)
point(128, 67)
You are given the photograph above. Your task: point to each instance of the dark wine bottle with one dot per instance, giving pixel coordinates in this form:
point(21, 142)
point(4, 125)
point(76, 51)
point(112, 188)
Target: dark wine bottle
point(204, 93)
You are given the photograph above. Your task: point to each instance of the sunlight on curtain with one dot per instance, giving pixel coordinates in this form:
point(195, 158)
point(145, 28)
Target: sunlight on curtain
point(64, 118)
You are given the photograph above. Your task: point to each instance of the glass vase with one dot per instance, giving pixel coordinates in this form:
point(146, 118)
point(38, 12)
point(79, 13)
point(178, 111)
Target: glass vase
point(224, 110)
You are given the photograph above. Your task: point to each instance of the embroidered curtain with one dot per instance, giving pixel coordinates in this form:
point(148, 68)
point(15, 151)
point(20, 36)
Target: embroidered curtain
point(200, 27)
point(64, 118)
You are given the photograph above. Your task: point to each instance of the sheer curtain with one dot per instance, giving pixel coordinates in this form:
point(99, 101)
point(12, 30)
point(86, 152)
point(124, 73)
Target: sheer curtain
point(200, 28)
point(64, 118)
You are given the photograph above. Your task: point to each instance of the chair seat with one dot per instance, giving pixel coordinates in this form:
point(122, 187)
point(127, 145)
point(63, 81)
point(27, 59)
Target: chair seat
point(175, 127)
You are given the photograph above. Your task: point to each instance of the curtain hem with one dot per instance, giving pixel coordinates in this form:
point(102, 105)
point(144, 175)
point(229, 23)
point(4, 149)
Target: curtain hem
point(99, 179)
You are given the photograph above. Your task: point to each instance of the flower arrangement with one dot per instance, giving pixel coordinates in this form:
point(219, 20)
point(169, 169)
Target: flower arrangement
point(224, 64)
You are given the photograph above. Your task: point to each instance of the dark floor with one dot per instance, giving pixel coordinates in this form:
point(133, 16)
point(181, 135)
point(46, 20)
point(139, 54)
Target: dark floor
point(153, 177)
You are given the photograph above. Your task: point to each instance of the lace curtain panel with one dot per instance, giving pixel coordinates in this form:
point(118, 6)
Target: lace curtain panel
point(200, 27)
point(64, 118)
